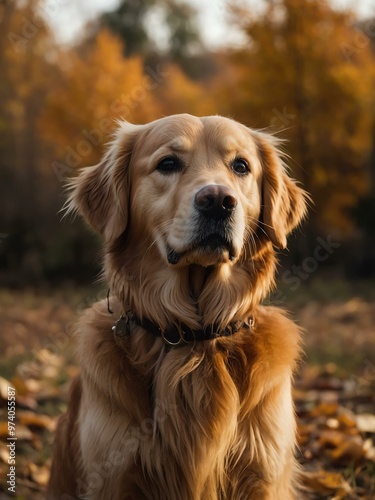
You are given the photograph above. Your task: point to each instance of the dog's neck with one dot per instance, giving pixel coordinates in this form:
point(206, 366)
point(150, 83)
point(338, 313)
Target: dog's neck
point(192, 295)
point(198, 276)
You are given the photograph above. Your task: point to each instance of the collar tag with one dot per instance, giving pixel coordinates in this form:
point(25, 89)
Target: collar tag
point(121, 327)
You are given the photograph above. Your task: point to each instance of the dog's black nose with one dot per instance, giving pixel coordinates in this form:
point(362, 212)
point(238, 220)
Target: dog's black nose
point(215, 201)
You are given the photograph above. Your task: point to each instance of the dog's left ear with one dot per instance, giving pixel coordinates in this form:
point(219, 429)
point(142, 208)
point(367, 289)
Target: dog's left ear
point(101, 193)
point(284, 202)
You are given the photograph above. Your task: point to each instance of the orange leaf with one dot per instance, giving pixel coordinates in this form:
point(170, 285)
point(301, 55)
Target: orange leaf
point(31, 419)
point(327, 409)
point(325, 482)
point(348, 451)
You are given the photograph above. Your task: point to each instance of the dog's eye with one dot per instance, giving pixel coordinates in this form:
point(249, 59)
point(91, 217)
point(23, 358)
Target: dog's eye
point(240, 166)
point(169, 165)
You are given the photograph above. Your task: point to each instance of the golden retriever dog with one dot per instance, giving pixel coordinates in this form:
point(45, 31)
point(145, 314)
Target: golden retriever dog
point(185, 384)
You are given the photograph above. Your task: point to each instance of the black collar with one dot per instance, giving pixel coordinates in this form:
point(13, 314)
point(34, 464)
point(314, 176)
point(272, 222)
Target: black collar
point(176, 335)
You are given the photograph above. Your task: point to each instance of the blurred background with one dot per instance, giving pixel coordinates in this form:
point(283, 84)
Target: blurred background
point(303, 69)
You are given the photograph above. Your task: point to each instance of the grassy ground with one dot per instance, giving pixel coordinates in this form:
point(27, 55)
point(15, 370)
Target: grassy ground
point(334, 390)
point(339, 319)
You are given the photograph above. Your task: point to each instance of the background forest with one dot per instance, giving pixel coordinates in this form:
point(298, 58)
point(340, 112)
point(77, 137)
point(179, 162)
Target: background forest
point(302, 69)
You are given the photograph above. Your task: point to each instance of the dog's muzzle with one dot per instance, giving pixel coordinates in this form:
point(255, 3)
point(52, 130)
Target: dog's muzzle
point(214, 207)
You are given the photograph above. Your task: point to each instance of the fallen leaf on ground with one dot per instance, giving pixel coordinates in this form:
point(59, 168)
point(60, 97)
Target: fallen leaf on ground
point(347, 421)
point(325, 482)
point(366, 422)
point(23, 432)
point(4, 384)
point(347, 452)
point(3, 429)
point(326, 408)
point(32, 419)
point(39, 474)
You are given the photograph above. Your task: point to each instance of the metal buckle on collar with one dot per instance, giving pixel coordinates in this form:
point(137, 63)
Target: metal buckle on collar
point(250, 323)
point(122, 327)
point(168, 342)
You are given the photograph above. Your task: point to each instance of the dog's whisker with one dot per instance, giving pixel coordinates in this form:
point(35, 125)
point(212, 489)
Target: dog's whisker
point(260, 224)
point(162, 231)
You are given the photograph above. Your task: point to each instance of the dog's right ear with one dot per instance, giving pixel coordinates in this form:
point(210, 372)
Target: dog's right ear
point(101, 193)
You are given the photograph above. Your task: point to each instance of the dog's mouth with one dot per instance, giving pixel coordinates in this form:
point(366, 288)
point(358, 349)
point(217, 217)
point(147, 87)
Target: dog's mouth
point(213, 243)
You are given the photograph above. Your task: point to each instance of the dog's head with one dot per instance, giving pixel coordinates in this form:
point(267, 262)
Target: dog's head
point(202, 191)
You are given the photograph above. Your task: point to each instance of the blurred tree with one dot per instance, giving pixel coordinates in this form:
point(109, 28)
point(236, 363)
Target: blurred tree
point(129, 21)
point(93, 90)
point(26, 38)
point(184, 39)
point(306, 73)
point(363, 214)
point(364, 211)
point(136, 22)
point(25, 48)
point(161, 31)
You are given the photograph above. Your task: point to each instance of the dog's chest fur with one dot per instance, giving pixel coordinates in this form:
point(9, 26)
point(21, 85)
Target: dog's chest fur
point(198, 418)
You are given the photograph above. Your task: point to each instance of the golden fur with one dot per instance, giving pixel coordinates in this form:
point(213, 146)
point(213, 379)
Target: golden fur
point(208, 420)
